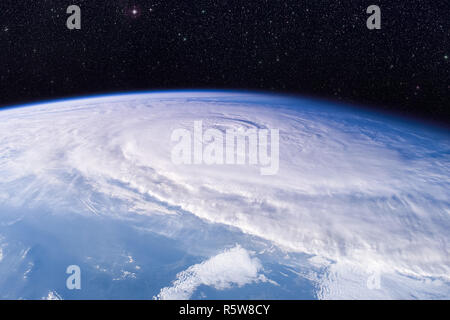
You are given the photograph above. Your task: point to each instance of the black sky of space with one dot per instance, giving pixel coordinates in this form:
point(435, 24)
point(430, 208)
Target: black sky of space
point(314, 48)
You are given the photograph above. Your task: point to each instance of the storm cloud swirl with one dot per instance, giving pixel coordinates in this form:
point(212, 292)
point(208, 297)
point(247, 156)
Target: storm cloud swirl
point(360, 194)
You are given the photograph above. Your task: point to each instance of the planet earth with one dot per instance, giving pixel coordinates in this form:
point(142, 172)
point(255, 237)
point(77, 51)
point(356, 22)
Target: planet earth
point(359, 207)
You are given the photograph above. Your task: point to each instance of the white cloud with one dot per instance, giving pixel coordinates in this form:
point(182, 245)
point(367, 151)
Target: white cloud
point(355, 191)
point(233, 267)
point(52, 295)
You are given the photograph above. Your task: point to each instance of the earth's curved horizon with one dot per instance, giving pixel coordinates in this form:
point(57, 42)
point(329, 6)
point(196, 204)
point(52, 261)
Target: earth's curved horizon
point(358, 209)
point(371, 109)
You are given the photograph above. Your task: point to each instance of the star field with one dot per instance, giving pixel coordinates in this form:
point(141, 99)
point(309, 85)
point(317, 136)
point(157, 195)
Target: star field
point(317, 48)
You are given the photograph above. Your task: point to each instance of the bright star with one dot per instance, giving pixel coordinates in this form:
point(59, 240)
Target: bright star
point(134, 12)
